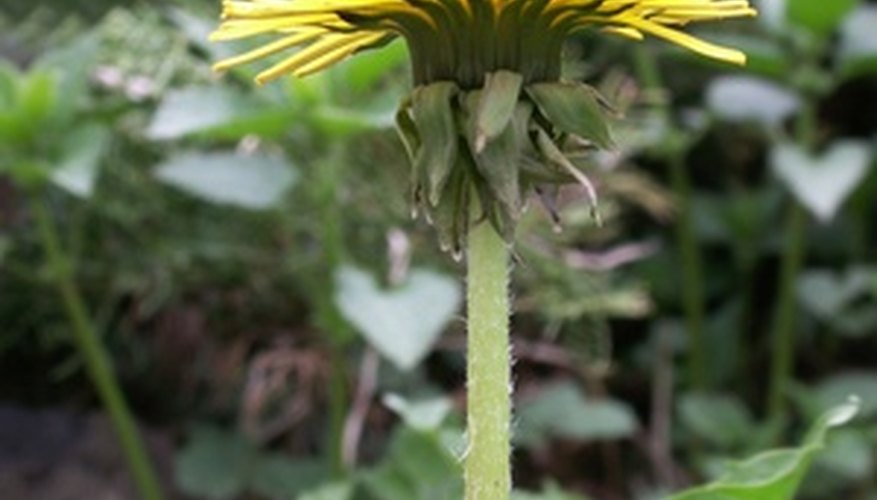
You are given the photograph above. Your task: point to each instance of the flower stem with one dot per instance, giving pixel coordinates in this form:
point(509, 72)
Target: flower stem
point(97, 361)
point(487, 464)
point(692, 275)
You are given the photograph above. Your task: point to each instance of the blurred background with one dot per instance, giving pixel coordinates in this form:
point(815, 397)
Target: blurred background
point(282, 328)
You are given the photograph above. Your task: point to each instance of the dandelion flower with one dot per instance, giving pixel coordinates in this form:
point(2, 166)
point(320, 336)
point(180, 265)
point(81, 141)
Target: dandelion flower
point(489, 116)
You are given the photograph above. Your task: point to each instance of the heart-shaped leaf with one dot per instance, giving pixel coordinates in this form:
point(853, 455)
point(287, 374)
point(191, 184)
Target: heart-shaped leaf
point(826, 294)
point(255, 182)
point(582, 419)
point(743, 98)
point(822, 183)
point(402, 323)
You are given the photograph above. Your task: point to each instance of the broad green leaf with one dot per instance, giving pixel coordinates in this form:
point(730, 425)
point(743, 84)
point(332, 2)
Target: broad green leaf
point(417, 467)
point(83, 152)
point(562, 411)
point(749, 99)
point(774, 474)
point(216, 111)
point(819, 16)
point(402, 323)
point(425, 415)
point(573, 108)
point(254, 182)
point(822, 183)
point(214, 464)
point(38, 96)
point(219, 464)
point(718, 419)
point(275, 476)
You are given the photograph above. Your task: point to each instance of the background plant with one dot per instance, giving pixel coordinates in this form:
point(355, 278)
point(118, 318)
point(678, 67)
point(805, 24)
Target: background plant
point(207, 296)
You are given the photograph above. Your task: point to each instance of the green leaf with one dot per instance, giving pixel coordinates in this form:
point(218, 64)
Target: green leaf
point(255, 182)
point(72, 63)
point(277, 477)
point(836, 388)
point(551, 492)
point(9, 78)
point(363, 72)
point(858, 42)
point(219, 464)
point(38, 96)
point(83, 151)
point(561, 411)
point(333, 491)
point(774, 474)
point(402, 323)
point(822, 183)
point(574, 108)
point(748, 99)
point(496, 106)
point(425, 415)
point(216, 112)
point(819, 16)
point(418, 467)
point(717, 419)
point(214, 464)
point(432, 113)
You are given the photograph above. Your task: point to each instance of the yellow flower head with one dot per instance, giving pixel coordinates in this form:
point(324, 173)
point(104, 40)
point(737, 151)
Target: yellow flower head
point(489, 118)
point(459, 40)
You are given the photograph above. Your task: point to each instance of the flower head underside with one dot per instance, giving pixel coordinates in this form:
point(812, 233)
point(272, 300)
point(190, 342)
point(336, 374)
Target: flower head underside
point(489, 118)
point(459, 40)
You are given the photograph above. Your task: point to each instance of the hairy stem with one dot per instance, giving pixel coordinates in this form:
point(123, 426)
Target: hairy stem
point(487, 463)
point(97, 361)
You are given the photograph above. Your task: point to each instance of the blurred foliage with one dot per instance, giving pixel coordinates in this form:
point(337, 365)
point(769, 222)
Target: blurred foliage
point(246, 252)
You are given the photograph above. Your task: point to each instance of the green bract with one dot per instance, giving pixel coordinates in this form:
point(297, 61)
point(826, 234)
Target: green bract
point(494, 145)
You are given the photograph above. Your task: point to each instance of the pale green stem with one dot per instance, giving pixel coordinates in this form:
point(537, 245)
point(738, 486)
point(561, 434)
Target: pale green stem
point(97, 361)
point(487, 462)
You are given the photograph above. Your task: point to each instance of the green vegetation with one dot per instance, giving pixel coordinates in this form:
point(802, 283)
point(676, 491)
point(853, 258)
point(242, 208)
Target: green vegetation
point(236, 270)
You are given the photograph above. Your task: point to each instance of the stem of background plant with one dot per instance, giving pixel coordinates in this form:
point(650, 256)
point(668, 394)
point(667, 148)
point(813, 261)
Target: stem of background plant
point(328, 175)
point(686, 239)
point(692, 274)
point(783, 338)
point(97, 361)
point(487, 462)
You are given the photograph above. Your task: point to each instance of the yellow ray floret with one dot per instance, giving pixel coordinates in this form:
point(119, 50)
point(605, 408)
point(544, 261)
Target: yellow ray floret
point(482, 33)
